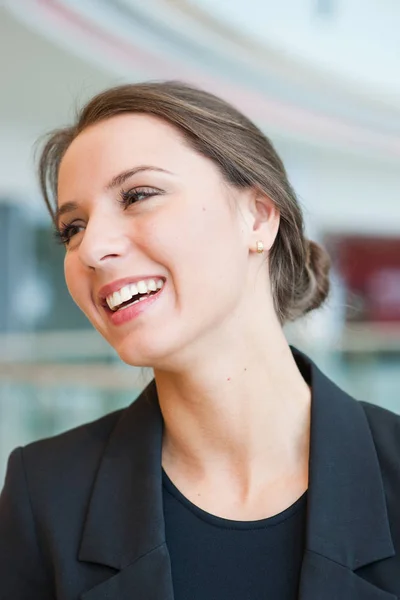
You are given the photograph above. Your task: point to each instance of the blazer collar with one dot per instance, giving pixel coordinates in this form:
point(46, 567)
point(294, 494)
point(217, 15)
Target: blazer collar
point(347, 522)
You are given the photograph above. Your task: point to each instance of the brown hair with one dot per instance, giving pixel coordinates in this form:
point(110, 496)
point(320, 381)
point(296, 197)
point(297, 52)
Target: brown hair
point(299, 268)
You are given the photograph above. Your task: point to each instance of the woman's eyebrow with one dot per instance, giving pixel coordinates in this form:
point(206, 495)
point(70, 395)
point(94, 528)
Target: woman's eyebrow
point(122, 177)
point(115, 182)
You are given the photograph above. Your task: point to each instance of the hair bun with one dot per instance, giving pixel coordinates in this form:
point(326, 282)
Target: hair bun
point(318, 266)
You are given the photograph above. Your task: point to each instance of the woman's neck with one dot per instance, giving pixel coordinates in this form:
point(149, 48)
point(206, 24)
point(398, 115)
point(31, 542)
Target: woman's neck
point(240, 422)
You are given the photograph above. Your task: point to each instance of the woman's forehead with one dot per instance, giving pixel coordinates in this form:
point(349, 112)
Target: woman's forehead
point(139, 137)
point(124, 142)
point(129, 131)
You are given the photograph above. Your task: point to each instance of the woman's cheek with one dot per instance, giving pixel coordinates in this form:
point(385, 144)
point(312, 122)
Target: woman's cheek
point(73, 281)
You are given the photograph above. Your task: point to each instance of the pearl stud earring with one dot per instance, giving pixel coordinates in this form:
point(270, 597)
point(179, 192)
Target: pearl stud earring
point(260, 247)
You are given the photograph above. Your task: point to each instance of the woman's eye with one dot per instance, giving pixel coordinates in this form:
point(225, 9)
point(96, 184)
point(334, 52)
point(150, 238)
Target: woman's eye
point(66, 232)
point(137, 195)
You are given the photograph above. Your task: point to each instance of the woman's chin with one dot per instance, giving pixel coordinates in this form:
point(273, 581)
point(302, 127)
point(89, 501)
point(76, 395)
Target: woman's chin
point(140, 355)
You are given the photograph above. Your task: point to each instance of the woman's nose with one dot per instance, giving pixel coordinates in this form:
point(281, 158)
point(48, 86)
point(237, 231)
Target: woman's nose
point(103, 240)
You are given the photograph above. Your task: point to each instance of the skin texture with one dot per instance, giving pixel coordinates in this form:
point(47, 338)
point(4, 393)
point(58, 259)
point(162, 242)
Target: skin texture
point(235, 406)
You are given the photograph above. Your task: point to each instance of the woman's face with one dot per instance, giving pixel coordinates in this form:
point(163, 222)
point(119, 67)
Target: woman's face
point(139, 205)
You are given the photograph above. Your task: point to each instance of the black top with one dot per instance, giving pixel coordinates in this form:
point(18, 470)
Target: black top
point(220, 559)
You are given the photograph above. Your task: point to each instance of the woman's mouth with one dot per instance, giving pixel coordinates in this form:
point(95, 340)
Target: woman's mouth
point(132, 293)
point(132, 299)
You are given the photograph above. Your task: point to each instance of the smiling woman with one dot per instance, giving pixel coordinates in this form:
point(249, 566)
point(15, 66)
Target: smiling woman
point(241, 471)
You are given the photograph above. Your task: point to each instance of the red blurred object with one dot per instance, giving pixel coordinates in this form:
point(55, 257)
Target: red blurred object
point(370, 268)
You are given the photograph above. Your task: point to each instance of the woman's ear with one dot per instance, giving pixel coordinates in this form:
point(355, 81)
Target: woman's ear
point(265, 218)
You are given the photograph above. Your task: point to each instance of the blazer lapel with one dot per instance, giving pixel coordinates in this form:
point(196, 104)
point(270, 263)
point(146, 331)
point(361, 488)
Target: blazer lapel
point(323, 579)
point(124, 528)
point(148, 578)
point(347, 521)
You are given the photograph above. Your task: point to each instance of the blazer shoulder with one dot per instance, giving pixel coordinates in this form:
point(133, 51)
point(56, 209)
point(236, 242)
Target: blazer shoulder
point(383, 422)
point(385, 429)
point(70, 459)
point(81, 441)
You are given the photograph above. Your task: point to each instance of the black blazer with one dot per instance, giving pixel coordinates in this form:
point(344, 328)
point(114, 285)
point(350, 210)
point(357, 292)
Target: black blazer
point(81, 514)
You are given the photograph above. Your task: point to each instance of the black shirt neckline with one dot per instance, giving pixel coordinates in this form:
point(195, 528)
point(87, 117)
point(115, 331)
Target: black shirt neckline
point(221, 522)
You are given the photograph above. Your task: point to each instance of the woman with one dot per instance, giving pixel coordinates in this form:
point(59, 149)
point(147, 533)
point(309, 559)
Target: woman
point(242, 471)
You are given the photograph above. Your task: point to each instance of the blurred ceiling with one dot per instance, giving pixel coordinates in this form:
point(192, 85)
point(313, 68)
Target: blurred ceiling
point(319, 71)
point(339, 139)
point(41, 83)
point(352, 42)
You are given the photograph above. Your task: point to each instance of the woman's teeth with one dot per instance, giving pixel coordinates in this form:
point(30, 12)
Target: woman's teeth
point(144, 286)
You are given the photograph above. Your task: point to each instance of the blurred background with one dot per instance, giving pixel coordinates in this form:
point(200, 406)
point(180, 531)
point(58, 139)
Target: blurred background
point(320, 77)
